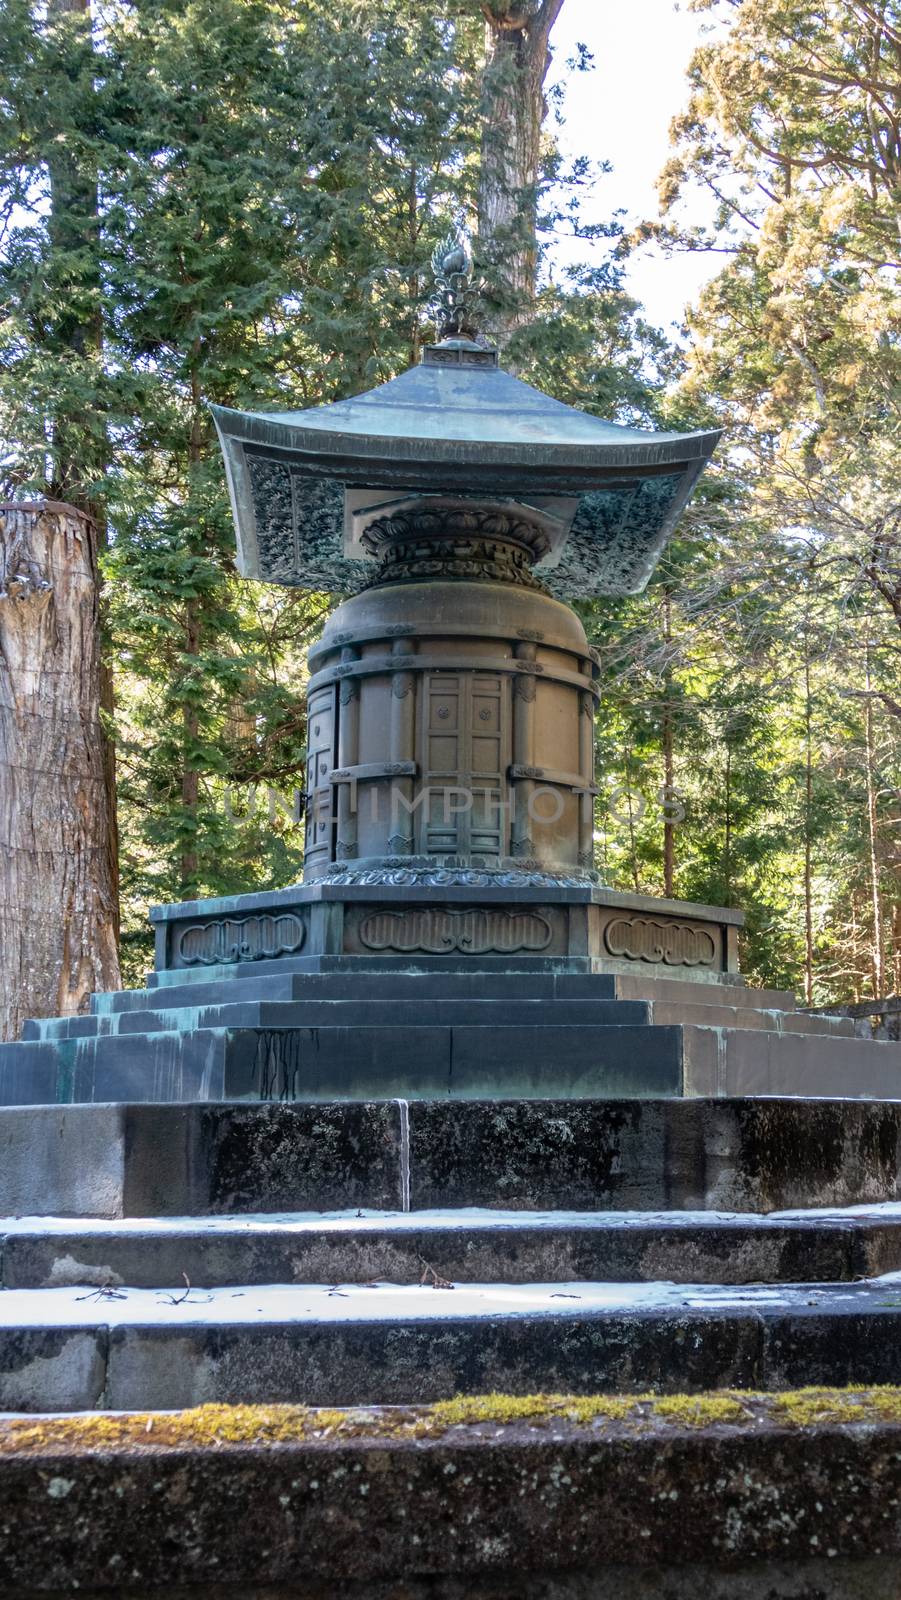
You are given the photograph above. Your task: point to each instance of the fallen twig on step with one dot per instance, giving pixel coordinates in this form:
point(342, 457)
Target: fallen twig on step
point(185, 1297)
point(433, 1278)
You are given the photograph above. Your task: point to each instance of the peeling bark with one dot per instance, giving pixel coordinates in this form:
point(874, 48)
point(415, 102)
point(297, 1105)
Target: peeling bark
point(57, 883)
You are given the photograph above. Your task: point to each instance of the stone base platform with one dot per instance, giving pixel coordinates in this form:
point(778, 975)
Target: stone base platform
point(376, 992)
point(353, 1254)
point(394, 1027)
point(451, 912)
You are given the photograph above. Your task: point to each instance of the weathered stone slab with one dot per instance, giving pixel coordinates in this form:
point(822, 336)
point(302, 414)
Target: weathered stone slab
point(817, 1579)
point(513, 1249)
point(184, 1160)
point(731, 1155)
point(64, 1159)
point(53, 1368)
point(644, 1155)
point(549, 1509)
point(354, 1363)
point(165, 1160)
point(29, 1074)
point(743, 1062)
point(365, 1061)
point(836, 1343)
point(355, 1344)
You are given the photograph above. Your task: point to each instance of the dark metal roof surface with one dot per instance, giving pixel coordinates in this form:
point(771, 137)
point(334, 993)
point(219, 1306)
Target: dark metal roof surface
point(442, 428)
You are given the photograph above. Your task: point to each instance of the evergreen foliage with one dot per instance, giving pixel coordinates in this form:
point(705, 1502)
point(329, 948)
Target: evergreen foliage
point(237, 200)
point(787, 642)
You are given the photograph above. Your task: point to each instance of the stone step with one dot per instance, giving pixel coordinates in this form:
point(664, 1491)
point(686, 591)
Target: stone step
point(712, 988)
point(161, 1066)
point(587, 1155)
point(367, 1062)
point(321, 1013)
point(668, 1013)
point(249, 983)
point(280, 980)
point(730, 1497)
point(354, 1063)
point(354, 1247)
point(75, 1349)
point(409, 966)
point(458, 965)
point(220, 1006)
point(748, 1061)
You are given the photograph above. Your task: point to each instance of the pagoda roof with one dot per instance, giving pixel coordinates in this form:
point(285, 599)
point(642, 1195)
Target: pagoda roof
point(303, 482)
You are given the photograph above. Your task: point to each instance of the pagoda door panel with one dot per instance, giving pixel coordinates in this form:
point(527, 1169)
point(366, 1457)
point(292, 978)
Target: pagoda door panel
point(322, 746)
point(466, 737)
point(444, 740)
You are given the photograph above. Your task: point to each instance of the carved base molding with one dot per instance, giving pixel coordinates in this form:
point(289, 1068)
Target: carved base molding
point(449, 878)
point(400, 906)
point(400, 872)
point(673, 944)
point(442, 930)
point(260, 938)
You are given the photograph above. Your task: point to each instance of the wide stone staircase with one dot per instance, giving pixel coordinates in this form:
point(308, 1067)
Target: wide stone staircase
point(348, 1254)
point(546, 1307)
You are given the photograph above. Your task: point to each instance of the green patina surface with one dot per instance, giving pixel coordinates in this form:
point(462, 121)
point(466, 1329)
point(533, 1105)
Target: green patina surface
point(217, 1426)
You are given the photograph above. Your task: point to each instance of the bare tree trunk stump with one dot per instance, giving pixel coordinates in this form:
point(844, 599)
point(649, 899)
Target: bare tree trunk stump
point(58, 910)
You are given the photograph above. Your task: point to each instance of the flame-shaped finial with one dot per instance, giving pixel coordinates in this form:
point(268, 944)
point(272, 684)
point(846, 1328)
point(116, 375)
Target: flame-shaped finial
point(452, 266)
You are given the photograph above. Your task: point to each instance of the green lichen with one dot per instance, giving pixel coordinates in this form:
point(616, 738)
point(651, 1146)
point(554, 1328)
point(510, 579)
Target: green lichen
point(220, 1426)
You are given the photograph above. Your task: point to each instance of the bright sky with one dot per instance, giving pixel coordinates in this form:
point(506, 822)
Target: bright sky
point(620, 112)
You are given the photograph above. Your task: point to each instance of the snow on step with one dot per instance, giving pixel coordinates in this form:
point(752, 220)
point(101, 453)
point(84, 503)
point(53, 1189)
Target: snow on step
point(381, 1302)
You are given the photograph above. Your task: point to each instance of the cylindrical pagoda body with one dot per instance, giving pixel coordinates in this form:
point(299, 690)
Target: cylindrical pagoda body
point(450, 728)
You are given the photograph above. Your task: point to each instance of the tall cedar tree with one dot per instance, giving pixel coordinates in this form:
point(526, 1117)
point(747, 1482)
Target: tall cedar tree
point(57, 782)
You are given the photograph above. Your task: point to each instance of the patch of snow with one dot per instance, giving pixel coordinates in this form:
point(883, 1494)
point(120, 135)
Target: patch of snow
point(459, 1219)
point(382, 1302)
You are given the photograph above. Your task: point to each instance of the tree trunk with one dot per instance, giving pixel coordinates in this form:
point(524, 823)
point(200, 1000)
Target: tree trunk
point(808, 830)
point(513, 109)
point(78, 438)
point(57, 889)
point(669, 772)
point(79, 442)
point(878, 951)
point(727, 840)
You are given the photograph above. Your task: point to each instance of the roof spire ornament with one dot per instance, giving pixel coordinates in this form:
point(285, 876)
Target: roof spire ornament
point(452, 268)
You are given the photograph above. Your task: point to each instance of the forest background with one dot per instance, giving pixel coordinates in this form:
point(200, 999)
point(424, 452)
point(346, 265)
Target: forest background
point(237, 201)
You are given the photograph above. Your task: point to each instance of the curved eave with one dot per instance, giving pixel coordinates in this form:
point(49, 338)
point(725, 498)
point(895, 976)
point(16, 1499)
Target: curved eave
point(332, 445)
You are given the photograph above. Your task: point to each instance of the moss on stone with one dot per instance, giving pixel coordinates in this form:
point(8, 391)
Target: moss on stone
point(805, 1408)
point(203, 1425)
point(467, 1409)
point(217, 1426)
point(701, 1410)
